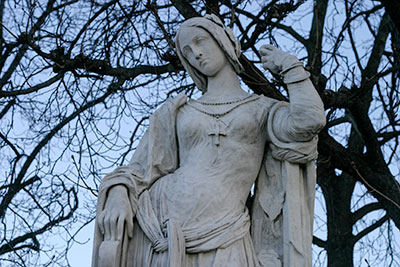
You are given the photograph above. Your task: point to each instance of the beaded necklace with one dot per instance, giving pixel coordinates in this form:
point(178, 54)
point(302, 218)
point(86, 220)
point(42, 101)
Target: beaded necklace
point(221, 103)
point(217, 132)
point(219, 115)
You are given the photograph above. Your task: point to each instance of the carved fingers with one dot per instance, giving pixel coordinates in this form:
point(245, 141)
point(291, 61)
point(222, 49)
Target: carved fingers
point(270, 58)
point(276, 60)
point(116, 215)
point(128, 222)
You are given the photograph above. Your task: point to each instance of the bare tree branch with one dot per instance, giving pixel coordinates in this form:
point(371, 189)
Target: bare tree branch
point(370, 228)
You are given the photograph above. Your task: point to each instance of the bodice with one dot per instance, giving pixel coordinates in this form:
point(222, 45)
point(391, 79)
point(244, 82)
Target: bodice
point(219, 159)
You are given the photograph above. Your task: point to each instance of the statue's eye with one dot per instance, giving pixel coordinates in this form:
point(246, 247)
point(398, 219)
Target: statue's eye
point(200, 39)
point(186, 51)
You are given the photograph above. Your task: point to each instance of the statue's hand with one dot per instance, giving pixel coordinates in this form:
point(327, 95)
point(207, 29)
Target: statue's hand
point(116, 213)
point(276, 60)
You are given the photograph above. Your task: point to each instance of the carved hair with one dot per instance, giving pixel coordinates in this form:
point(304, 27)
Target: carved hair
point(222, 35)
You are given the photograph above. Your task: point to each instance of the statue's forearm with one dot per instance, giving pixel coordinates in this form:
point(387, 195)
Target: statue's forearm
point(305, 116)
point(306, 107)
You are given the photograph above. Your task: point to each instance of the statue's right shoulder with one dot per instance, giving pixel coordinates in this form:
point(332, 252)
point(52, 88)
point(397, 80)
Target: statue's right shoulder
point(176, 101)
point(179, 100)
point(172, 104)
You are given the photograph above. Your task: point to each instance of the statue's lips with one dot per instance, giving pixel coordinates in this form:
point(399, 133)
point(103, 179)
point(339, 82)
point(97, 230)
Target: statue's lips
point(203, 61)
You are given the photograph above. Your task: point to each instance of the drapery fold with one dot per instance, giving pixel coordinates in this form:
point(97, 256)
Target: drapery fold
point(153, 158)
point(168, 235)
point(283, 210)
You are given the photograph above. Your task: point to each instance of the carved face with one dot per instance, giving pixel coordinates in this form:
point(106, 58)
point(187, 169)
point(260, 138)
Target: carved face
point(202, 51)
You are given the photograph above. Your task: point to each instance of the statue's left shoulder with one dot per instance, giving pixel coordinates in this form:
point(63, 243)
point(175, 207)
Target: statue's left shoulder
point(265, 103)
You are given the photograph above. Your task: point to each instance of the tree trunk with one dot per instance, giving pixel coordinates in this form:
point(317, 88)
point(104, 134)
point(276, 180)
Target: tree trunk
point(338, 191)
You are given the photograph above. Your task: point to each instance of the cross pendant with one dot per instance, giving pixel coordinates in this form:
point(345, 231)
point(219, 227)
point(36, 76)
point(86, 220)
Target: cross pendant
point(216, 133)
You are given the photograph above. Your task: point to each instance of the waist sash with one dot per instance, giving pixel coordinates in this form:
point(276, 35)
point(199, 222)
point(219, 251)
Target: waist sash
point(177, 240)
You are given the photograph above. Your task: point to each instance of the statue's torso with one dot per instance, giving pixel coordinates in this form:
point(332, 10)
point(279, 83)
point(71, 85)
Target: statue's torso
point(219, 160)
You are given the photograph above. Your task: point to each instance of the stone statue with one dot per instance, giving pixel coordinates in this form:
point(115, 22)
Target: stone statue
point(180, 202)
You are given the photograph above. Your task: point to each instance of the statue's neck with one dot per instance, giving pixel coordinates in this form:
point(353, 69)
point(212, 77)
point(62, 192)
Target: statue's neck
point(224, 84)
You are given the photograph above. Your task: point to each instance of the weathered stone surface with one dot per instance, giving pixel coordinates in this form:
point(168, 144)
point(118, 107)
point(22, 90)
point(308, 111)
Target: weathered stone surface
point(181, 199)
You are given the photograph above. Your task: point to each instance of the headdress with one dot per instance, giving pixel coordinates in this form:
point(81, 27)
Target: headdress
point(223, 35)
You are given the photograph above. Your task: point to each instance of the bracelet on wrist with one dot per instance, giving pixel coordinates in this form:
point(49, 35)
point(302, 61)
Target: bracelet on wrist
point(295, 75)
point(292, 66)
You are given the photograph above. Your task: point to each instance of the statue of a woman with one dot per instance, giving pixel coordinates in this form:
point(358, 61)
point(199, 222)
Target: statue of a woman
point(181, 200)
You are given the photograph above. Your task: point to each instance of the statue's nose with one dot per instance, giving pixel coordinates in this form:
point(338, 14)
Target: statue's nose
point(197, 52)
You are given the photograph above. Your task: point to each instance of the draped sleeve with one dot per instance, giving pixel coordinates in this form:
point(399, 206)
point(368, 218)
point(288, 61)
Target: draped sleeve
point(155, 156)
point(283, 209)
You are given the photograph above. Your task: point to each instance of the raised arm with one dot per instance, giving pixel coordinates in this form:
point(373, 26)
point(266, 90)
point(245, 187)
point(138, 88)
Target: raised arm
point(304, 117)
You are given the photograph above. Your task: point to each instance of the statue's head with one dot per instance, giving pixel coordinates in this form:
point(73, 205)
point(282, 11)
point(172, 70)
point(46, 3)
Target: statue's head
point(206, 37)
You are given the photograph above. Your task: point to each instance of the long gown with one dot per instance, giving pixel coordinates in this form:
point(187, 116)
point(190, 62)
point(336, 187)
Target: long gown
point(219, 160)
point(190, 176)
